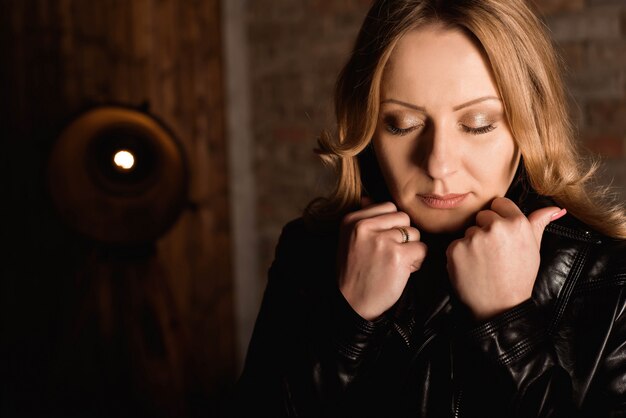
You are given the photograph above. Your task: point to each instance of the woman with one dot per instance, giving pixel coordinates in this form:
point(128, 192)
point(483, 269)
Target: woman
point(461, 267)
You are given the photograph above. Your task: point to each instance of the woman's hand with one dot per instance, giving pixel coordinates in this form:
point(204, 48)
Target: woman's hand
point(493, 268)
point(374, 263)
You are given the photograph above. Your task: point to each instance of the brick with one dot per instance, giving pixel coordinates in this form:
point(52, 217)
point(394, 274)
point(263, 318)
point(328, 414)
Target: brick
point(606, 55)
point(591, 84)
point(594, 3)
point(335, 7)
point(550, 7)
point(609, 146)
point(574, 55)
point(275, 11)
point(601, 23)
point(290, 134)
point(607, 114)
point(614, 174)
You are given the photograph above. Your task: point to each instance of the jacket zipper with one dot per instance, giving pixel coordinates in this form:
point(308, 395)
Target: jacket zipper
point(457, 404)
point(429, 335)
point(567, 289)
point(456, 384)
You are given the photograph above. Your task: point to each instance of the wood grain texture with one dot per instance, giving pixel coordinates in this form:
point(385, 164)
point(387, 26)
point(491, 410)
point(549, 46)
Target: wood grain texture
point(60, 57)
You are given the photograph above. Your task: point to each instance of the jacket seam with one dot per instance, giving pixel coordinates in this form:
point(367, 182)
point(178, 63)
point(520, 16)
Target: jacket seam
point(403, 334)
point(519, 350)
point(506, 318)
point(601, 283)
point(288, 399)
point(585, 236)
point(349, 352)
point(568, 288)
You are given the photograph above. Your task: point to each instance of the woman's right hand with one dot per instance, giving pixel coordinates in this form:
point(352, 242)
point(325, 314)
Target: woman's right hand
point(374, 263)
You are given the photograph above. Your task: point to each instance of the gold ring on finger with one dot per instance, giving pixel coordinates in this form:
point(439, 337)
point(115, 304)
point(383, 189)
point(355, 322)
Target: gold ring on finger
point(404, 232)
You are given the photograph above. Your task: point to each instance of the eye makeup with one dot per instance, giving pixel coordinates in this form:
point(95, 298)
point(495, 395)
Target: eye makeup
point(478, 131)
point(401, 124)
point(475, 122)
point(478, 123)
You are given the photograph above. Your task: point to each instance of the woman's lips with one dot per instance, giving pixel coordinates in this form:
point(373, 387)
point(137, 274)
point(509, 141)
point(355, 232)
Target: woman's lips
point(449, 201)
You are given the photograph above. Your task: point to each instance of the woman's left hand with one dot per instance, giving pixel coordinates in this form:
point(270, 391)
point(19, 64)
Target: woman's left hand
point(494, 266)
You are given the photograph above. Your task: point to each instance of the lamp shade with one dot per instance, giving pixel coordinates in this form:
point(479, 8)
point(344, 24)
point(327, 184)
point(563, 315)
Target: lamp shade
point(118, 176)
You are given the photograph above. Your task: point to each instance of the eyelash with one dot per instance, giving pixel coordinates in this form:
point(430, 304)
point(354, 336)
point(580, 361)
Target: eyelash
point(399, 131)
point(478, 131)
point(474, 131)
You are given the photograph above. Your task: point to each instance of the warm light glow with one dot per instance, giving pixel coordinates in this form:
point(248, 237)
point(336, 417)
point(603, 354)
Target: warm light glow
point(124, 160)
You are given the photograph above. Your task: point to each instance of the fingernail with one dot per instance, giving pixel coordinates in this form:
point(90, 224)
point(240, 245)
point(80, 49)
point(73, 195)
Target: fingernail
point(559, 214)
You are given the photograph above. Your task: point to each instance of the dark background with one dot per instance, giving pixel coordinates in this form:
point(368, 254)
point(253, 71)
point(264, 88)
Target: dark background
point(246, 86)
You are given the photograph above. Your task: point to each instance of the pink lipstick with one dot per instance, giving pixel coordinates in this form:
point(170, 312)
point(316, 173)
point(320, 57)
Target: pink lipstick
point(449, 201)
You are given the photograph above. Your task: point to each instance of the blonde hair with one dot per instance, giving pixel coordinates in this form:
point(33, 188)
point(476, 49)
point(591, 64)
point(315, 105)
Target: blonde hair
point(527, 74)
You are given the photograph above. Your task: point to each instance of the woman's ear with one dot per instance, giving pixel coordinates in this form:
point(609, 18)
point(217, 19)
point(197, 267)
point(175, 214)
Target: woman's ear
point(372, 178)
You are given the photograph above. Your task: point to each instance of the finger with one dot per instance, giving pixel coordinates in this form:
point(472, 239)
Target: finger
point(486, 217)
point(370, 211)
point(395, 235)
point(540, 218)
point(414, 234)
point(416, 253)
point(451, 248)
point(505, 207)
point(387, 221)
point(471, 231)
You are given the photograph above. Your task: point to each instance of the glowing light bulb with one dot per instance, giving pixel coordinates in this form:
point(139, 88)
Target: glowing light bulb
point(124, 160)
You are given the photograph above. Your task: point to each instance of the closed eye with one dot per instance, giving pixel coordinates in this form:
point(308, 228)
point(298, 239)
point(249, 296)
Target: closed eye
point(478, 131)
point(394, 130)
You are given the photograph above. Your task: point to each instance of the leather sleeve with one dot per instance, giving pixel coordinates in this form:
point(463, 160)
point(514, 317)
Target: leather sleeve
point(518, 345)
point(308, 345)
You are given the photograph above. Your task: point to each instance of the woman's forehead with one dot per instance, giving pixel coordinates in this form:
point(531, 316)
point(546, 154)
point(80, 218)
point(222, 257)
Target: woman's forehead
point(436, 63)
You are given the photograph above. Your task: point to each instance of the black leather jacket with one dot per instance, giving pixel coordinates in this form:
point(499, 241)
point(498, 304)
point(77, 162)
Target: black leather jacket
point(561, 353)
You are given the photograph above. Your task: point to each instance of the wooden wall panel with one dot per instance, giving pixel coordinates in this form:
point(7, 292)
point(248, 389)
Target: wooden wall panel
point(58, 58)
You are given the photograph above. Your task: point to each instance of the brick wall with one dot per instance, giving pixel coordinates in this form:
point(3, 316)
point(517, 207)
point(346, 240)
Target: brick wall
point(591, 36)
point(297, 48)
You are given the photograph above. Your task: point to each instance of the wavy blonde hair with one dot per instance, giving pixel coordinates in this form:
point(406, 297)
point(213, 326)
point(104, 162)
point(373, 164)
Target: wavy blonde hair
point(527, 74)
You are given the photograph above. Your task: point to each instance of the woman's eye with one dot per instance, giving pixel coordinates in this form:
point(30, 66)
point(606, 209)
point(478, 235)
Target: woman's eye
point(478, 131)
point(394, 130)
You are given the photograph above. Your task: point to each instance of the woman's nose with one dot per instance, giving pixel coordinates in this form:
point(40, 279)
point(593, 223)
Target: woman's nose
point(439, 154)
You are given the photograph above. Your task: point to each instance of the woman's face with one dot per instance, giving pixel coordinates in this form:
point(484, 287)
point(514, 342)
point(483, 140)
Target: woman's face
point(442, 140)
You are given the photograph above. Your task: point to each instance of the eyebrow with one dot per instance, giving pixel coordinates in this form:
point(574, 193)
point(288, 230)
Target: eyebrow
point(405, 104)
point(472, 102)
point(455, 108)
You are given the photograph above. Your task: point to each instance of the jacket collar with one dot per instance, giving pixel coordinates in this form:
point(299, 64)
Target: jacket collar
point(428, 298)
